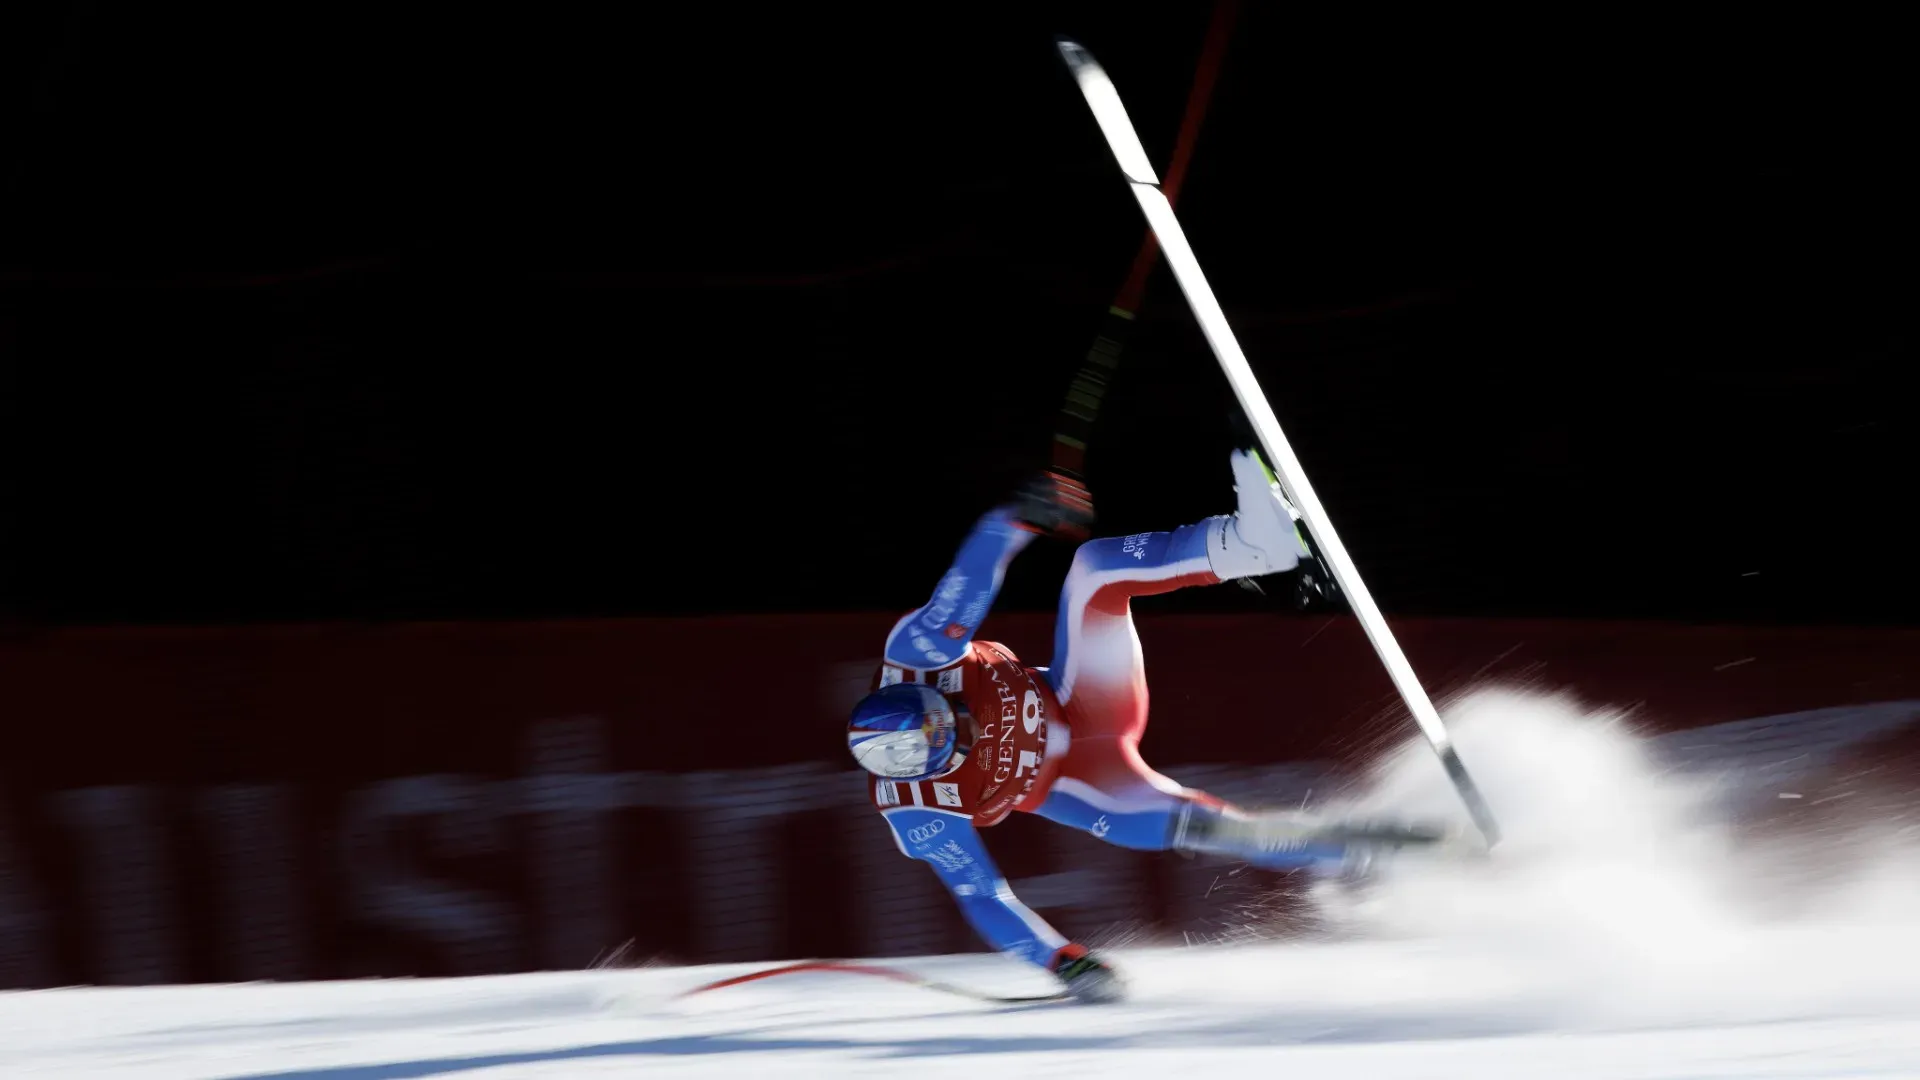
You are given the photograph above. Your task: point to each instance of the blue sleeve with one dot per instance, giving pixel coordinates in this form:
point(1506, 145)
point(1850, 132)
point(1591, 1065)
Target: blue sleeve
point(948, 842)
point(938, 632)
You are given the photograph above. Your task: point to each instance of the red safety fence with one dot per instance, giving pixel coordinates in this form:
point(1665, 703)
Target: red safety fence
point(336, 801)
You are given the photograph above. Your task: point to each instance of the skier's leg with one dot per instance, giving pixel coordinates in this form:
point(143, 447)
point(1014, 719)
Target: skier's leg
point(1097, 672)
point(1096, 653)
point(1106, 790)
point(1099, 676)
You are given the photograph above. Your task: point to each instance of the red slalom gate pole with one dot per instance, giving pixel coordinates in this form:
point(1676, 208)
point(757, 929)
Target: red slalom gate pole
point(1075, 424)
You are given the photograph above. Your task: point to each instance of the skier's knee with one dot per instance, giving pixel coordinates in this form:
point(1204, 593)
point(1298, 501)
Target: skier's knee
point(1086, 560)
point(1097, 556)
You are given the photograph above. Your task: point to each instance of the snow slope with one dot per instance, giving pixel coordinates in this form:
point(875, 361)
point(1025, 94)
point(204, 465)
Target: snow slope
point(1625, 930)
point(1379, 1011)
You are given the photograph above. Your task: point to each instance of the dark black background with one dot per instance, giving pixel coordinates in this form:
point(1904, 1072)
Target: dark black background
point(324, 311)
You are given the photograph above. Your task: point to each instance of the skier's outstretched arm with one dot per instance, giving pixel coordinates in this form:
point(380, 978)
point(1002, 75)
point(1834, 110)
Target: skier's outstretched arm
point(938, 632)
point(948, 842)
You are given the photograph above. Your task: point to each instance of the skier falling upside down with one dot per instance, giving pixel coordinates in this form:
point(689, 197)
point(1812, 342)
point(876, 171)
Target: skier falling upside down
point(959, 733)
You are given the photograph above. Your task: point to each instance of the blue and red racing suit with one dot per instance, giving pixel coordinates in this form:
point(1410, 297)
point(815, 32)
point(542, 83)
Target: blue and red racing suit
point(1060, 741)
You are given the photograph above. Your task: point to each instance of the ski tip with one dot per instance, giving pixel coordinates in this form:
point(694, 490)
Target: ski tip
point(1108, 112)
point(1075, 54)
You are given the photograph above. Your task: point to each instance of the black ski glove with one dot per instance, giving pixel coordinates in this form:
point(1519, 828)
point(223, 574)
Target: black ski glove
point(1087, 977)
point(1055, 504)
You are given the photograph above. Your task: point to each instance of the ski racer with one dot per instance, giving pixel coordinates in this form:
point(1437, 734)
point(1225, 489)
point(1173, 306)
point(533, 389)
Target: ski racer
point(958, 733)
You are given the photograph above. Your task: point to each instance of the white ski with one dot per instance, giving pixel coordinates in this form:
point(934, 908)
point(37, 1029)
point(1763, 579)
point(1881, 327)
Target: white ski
point(1138, 170)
